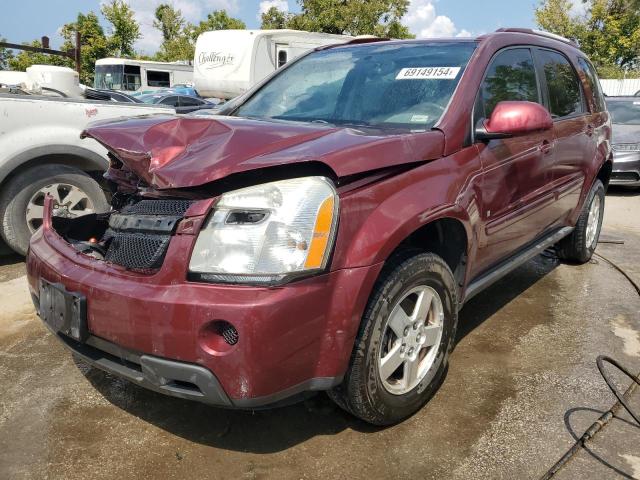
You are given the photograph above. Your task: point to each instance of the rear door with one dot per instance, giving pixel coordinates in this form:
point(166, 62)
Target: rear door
point(516, 188)
point(573, 130)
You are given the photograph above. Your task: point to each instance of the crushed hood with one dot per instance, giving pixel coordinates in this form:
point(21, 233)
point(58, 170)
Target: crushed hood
point(175, 152)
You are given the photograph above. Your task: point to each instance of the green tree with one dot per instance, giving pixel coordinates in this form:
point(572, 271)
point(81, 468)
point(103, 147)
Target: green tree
point(169, 21)
point(177, 41)
point(94, 43)
point(217, 20)
point(609, 32)
point(352, 17)
point(5, 56)
point(180, 36)
point(274, 19)
point(125, 28)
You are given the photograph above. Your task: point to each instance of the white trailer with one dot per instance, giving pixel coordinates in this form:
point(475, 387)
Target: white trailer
point(130, 76)
point(229, 62)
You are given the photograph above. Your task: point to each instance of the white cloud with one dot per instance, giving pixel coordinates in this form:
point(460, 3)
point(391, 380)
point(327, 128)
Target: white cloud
point(192, 10)
point(422, 20)
point(282, 5)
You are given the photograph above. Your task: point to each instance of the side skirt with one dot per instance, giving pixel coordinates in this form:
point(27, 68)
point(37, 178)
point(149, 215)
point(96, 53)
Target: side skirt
point(507, 266)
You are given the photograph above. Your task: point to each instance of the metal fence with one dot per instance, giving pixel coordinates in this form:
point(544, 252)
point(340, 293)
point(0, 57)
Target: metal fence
point(617, 88)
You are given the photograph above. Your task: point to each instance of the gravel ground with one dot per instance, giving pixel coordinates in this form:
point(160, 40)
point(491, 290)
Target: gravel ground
point(521, 387)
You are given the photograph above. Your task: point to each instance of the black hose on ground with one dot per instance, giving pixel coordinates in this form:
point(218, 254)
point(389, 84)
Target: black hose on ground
point(622, 398)
point(600, 363)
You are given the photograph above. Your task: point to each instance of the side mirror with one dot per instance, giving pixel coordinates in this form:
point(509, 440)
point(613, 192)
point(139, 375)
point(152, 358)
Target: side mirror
point(512, 118)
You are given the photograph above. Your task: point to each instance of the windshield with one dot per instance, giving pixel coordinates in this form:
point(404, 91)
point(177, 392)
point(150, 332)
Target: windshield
point(108, 77)
point(381, 85)
point(117, 77)
point(625, 112)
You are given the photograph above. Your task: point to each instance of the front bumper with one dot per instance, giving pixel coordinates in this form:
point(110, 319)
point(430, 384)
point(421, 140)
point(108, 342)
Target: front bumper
point(158, 330)
point(626, 169)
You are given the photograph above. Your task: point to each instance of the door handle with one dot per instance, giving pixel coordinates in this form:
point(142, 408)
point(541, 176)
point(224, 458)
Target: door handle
point(546, 147)
point(589, 130)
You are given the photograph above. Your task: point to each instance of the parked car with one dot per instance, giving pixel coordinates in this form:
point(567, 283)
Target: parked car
point(171, 99)
point(115, 95)
point(625, 115)
point(324, 230)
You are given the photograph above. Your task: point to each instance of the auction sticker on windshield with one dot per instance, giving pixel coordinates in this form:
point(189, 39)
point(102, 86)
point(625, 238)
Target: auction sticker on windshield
point(428, 73)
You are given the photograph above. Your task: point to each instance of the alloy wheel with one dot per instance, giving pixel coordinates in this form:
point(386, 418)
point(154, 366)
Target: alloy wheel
point(69, 202)
point(410, 339)
point(593, 220)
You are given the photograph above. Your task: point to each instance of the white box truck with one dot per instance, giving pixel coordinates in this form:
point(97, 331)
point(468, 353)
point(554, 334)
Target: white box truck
point(229, 62)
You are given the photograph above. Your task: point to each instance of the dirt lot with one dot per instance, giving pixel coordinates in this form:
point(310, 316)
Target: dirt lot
point(522, 386)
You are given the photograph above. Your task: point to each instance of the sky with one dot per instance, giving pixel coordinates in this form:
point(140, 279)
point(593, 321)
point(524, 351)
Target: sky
point(27, 20)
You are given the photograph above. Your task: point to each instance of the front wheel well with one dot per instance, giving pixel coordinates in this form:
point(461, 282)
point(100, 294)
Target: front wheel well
point(604, 174)
point(447, 238)
point(90, 166)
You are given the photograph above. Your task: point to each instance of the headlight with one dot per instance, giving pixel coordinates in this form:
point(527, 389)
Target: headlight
point(267, 233)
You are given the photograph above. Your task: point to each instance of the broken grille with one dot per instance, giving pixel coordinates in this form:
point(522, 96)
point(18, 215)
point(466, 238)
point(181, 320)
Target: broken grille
point(138, 235)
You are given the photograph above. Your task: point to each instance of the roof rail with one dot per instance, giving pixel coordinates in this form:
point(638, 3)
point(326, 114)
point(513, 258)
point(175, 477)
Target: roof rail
point(353, 41)
point(540, 33)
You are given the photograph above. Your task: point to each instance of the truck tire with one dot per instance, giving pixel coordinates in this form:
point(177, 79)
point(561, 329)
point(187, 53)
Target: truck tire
point(401, 352)
point(580, 245)
point(22, 199)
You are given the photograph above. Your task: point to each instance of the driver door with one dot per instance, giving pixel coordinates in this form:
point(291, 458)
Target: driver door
point(517, 171)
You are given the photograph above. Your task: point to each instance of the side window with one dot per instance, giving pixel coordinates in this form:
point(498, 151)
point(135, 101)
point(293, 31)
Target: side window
point(565, 97)
point(511, 76)
point(282, 58)
point(172, 101)
point(158, 79)
point(189, 102)
point(131, 77)
point(594, 83)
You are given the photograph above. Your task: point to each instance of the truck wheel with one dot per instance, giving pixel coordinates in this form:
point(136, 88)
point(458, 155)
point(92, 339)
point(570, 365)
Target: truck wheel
point(580, 245)
point(402, 348)
point(22, 201)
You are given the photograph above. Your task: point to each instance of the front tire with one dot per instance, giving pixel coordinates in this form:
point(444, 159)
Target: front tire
point(402, 348)
point(580, 245)
point(21, 202)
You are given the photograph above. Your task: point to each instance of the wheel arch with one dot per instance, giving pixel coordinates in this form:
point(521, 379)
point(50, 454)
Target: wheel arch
point(447, 236)
point(73, 156)
point(604, 174)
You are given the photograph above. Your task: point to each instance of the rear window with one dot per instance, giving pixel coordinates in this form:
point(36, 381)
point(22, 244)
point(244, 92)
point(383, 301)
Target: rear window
point(404, 86)
point(625, 112)
point(565, 97)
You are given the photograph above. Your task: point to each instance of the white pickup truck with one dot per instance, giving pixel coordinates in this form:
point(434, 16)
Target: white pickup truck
point(41, 152)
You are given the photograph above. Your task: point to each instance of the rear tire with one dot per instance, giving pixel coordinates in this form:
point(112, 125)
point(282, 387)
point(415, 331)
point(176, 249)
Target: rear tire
point(21, 191)
point(580, 245)
point(373, 388)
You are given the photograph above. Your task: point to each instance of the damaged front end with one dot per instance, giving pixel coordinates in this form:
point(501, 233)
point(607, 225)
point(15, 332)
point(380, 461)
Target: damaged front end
point(135, 237)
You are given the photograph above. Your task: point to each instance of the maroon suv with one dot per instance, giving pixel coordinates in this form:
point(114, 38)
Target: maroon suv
point(323, 231)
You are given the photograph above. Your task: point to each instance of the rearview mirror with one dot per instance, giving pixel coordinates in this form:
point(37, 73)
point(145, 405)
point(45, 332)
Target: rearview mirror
point(512, 118)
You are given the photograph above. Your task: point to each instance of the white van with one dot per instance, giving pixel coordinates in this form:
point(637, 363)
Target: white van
point(229, 62)
point(130, 76)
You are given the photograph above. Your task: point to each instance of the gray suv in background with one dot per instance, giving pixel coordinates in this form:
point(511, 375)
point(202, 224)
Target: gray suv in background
point(625, 116)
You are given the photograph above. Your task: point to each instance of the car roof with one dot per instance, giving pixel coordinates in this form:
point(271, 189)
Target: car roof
point(517, 35)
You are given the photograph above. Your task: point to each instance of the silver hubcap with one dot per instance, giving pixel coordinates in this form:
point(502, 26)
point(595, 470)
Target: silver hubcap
point(410, 340)
point(593, 221)
point(69, 202)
